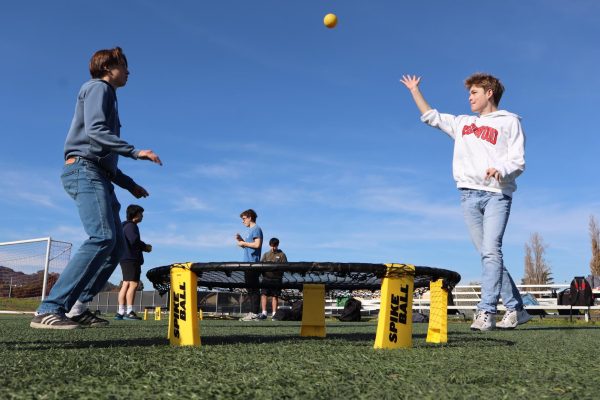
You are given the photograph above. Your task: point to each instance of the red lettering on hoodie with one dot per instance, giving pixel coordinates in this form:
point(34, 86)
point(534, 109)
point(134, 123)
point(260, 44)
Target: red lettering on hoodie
point(484, 133)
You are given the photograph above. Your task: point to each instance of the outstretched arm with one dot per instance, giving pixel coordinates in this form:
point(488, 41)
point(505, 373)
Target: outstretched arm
point(412, 84)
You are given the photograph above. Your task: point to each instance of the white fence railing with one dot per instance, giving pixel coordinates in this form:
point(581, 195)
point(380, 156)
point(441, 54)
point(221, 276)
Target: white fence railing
point(465, 297)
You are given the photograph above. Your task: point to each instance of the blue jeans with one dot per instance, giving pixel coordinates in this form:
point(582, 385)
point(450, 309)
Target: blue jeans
point(93, 264)
point(486, 214)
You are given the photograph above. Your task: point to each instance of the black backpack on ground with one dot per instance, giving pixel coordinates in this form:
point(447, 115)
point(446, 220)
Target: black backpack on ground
point(564, 299)
point(296, 311)
point(289, 314)
point(418, 317)
point(351, 311)
point(581, 292)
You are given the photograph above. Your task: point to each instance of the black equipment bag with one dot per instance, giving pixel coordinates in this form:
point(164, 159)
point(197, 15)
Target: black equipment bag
point(351, 311)
point(581, 292)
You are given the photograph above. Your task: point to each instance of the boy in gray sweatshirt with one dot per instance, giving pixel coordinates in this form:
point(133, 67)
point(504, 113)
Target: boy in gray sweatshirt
point(92, 150)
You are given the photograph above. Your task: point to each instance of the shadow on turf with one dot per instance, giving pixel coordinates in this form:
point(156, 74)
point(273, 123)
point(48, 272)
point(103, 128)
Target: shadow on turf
point(86, 344)
point(557, 328)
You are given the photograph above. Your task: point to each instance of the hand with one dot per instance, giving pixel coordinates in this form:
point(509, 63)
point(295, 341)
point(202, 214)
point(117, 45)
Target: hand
point(240, 241)
point(492, 173)
point(149, 155)
point(139, 192)
point(411, 82)
point(148, 248)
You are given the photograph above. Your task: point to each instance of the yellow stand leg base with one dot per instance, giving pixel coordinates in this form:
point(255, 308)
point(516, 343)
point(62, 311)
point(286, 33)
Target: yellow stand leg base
point(200, 316)
point(145, 314)
point(157, 314)
point(394, 325)
point(313, 311)
point(184, 329)
point(437, 331)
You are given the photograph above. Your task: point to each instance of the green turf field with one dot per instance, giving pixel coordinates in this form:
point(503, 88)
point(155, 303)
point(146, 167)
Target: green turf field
point(268, 360)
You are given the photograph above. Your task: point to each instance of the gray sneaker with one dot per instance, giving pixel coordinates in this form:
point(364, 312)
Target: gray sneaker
point(483, 321)
point(261, 316)
point(512, 318)
point(53, 321)
point(250, 317)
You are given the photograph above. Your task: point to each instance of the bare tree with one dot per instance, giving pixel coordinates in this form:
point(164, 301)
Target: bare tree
point(595, 239)
point(537, 269)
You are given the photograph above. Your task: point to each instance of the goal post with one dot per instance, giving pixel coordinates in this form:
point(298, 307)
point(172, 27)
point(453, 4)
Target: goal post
point(29, 268)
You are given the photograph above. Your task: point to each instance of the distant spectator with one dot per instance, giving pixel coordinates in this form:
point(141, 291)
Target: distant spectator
point(275, 255)
point(252, 245)
point(131, 262)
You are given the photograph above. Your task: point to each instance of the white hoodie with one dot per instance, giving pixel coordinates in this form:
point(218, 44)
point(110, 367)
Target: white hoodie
point(493, 140)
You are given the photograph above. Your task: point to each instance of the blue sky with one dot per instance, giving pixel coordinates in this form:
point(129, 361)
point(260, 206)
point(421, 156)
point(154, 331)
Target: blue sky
point(258, 105)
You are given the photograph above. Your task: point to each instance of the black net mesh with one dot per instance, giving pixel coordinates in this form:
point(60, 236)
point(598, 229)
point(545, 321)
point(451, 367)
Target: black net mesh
point(290, 277)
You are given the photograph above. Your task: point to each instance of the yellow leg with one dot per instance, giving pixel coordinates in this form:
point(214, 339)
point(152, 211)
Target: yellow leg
point(157, 314)
point(313, 310)
point(184, 329)
point(437, 332)
point(145, 314)
point(394, 325)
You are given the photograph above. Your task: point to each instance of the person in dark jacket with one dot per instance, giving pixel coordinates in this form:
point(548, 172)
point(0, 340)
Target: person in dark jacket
point(131, 262)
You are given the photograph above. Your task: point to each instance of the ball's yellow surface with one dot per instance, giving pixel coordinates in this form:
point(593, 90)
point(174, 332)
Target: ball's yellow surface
point(330, 21)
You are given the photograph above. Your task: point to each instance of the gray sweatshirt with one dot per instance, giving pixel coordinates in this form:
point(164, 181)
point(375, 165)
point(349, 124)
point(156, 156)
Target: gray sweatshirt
point(95, 132)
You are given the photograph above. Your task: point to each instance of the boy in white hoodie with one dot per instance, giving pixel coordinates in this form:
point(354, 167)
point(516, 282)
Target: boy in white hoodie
point(489, 154)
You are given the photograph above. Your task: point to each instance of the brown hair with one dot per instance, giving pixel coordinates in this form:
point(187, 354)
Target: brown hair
point(133, 210)
point(103, 60)
point(249, 214)
point(487, 82)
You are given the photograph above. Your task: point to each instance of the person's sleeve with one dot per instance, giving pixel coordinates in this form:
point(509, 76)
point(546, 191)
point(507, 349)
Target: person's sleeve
point(264, 257)
point(124, 181)
point(447, 123)
point(283, 257)
point(515, 161)
point(98, 105)
point(258, 234)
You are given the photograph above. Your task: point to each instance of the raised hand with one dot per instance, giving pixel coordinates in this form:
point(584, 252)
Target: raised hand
point(411, 81)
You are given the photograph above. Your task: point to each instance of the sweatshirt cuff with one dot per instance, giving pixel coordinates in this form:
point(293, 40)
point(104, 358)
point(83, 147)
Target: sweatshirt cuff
point(428, 115)
point(135, 154)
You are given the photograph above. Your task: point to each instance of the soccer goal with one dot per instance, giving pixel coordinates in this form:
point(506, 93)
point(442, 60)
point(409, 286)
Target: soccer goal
point(29, 268)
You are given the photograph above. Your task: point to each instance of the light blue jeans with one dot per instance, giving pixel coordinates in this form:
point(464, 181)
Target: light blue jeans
point(90, 268)
point(486, 214)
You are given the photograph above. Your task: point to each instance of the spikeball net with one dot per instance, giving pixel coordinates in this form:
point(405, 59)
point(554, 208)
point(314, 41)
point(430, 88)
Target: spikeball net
point(338, 278)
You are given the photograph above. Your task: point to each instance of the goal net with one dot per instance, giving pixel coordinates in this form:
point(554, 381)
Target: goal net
point(29, 268)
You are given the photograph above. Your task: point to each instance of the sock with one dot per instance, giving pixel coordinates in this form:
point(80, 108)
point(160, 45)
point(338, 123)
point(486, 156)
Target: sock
point(122, 309)
point(129, 309)
point(264, 312)
point(77, 309)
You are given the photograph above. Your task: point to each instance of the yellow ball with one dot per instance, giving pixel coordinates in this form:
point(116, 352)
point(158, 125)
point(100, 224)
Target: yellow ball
point(330, 21)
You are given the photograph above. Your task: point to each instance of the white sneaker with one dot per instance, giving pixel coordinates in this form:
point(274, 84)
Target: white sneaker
point(250, 317)
point(512, 318)
point(483, 321)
